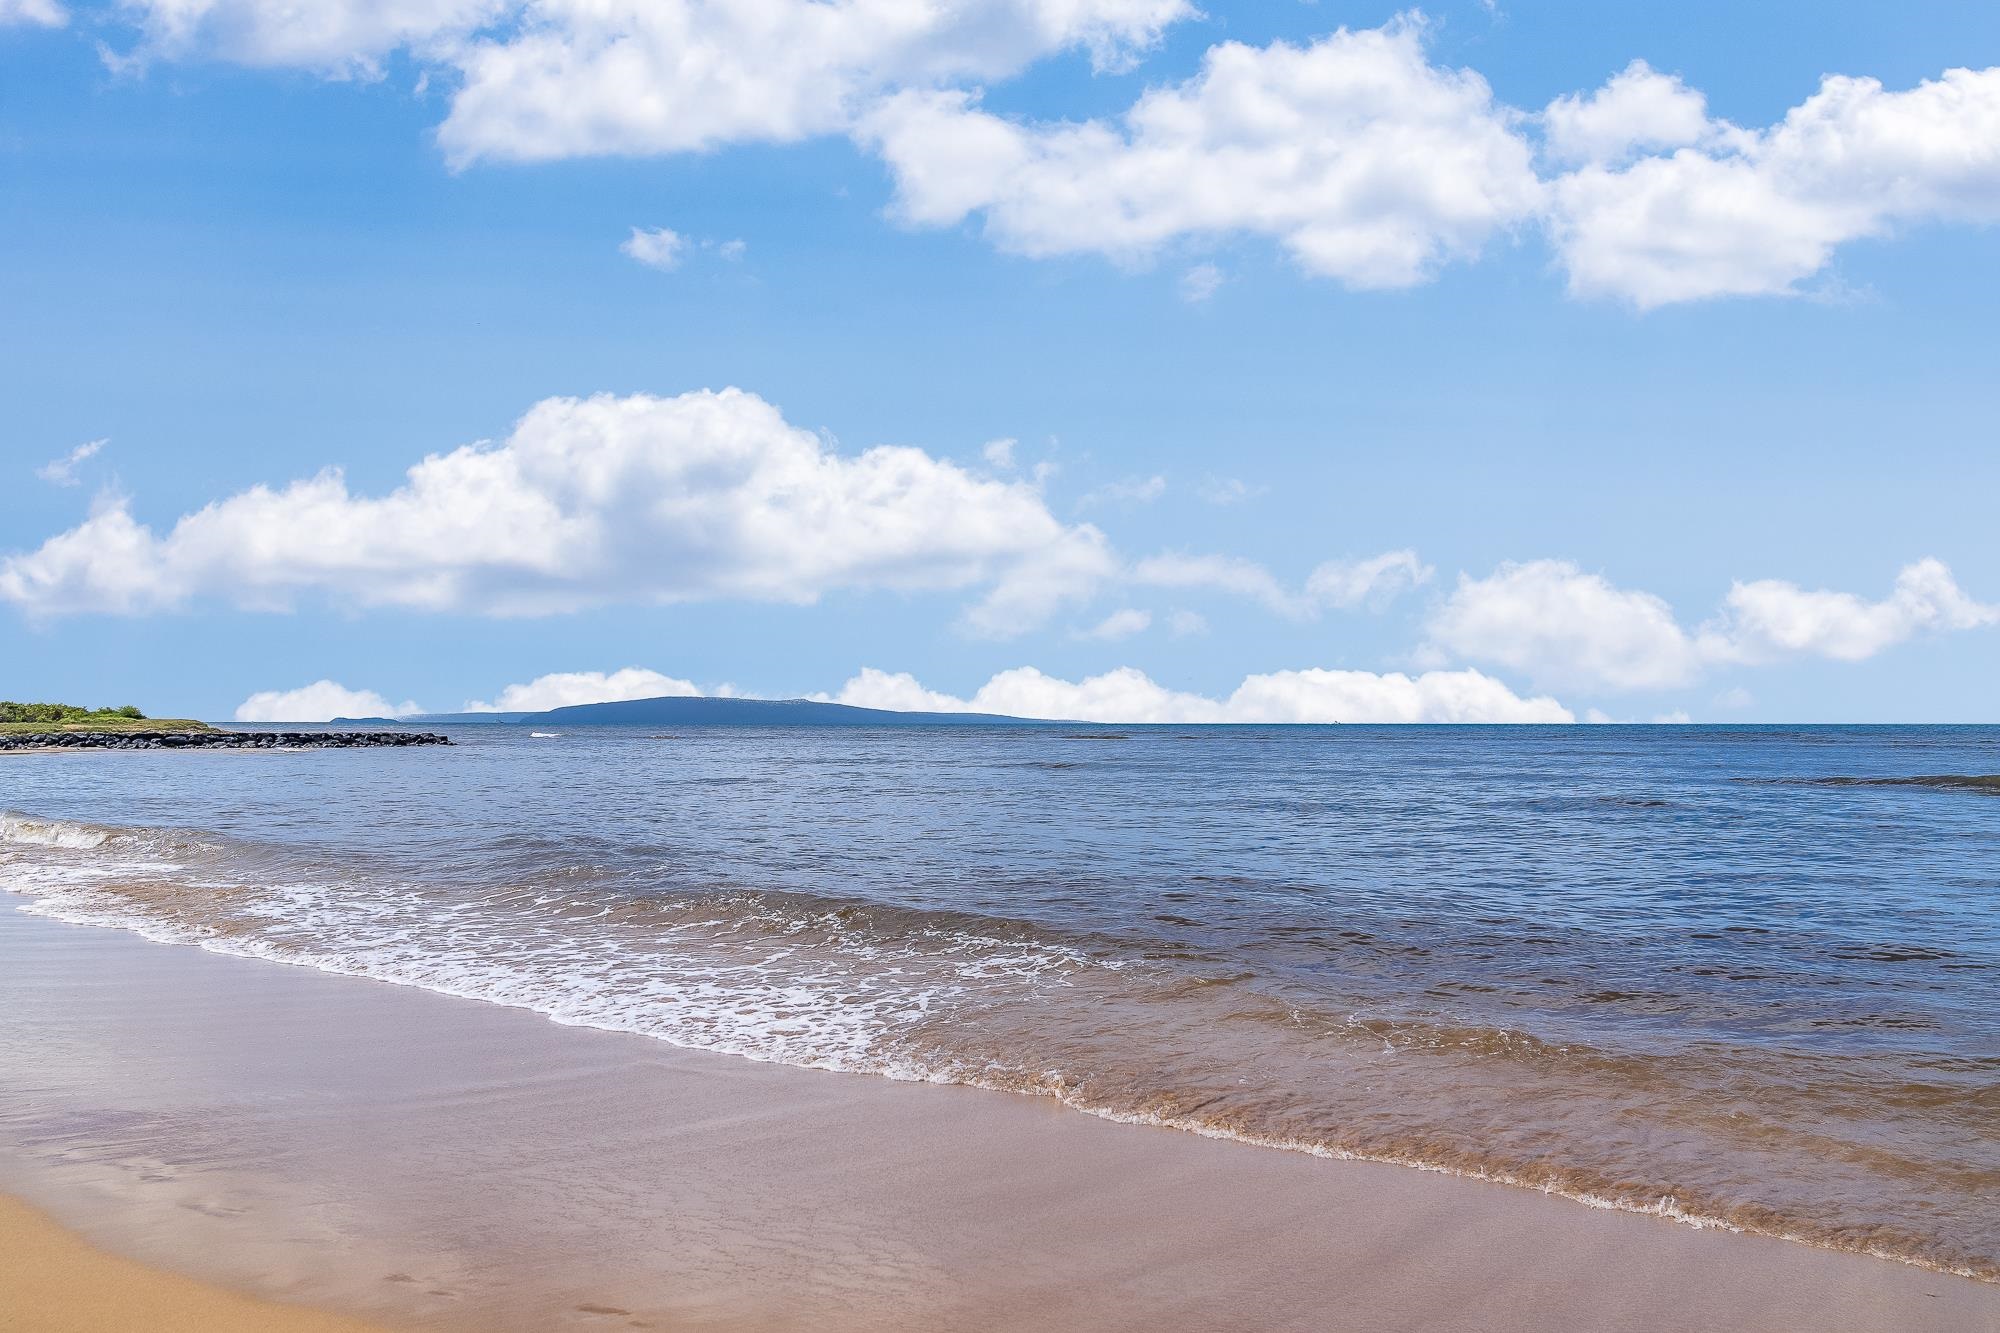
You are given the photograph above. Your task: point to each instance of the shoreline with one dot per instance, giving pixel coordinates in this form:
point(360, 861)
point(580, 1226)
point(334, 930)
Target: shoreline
point(513, 1172)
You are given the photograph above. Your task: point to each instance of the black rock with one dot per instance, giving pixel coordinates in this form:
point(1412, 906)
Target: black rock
point(217, 740)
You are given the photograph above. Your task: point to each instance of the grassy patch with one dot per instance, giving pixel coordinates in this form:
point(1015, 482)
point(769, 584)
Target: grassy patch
point(130, 724)
point(19, 719)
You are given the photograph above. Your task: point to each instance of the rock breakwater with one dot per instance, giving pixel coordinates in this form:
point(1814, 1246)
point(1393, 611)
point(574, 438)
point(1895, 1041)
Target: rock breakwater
point(217, 740)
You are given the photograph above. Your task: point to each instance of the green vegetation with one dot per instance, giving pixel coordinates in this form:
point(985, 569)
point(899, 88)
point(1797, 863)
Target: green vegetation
point(20, 718)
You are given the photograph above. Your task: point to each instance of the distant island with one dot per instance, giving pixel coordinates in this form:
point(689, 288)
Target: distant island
point(686, 711)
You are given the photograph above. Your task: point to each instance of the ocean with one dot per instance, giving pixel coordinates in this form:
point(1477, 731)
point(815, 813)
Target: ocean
point(1745, 977)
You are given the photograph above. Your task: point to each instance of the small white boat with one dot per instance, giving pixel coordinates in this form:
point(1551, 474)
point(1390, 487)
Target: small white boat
point(544, 735)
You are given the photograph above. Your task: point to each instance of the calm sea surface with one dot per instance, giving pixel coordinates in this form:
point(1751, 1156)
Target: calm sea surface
point(1678, 969)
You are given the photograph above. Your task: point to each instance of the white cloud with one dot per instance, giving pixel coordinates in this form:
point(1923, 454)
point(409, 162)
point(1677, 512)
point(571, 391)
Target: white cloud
point(664, 248)
point(544, 79)
point(1129, 695)
point(656, 247)
point(1769, 619)
point(590, 502)
point(1184, 623)
point(1756, 212)
point(899, 693)
point(321, 701)
point(1567, 628)
point(33, 13)
point(999, 453)
point(1343, 584)
point(1200, 282)
point(593, 77)
point(561, 689)
point(1367, 162)
point(1068, 569)
point(1229, 574)
point(62, 471)
point(1373, 582)
point(1639, 109)
point(1121, 624)
point(342, 38)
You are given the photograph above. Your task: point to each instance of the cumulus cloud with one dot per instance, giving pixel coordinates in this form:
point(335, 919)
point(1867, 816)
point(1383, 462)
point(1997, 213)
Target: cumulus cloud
point(545, 79)
point(33, 13)
point(1770, 619)
point(321, 701)
point(344, 38)
point(665, 249)
point(591, 77)
point(62, 471)
point(900, 692)
point(1639, 109)
point(1564, 627)
point(594, 501)
point(1736, 213)
point(1370, 164)
point(655, 247)
point(561, 689)
point(1129, 695)
point(1367, 162)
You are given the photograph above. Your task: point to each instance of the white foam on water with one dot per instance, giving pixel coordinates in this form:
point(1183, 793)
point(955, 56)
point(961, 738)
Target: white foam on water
point(795, 988)
point(740, 976)
point(28, 831)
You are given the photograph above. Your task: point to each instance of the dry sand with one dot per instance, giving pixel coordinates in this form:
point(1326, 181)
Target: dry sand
point(440, 1163)
point(53, 1282)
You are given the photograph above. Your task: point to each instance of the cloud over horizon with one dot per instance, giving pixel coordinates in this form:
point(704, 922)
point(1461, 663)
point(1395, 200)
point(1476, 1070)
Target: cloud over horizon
point(321, 701)
point(1131, 696)
point(1562, 626)
point(593, 501)
point(563, 689)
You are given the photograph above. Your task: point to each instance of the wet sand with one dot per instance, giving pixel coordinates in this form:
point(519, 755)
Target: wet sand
point(427, 1162)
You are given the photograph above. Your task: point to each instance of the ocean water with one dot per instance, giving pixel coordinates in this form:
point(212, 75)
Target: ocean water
point(1743, 977)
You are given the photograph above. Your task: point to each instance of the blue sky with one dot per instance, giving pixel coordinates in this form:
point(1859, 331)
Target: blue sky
point(1638, 406)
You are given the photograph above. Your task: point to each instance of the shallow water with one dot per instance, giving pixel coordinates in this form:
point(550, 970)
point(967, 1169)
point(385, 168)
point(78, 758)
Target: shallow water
point(1661, 969)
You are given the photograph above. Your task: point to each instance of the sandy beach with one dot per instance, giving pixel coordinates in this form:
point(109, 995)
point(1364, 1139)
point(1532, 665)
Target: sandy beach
point(53, 1282)
point(423, 1162)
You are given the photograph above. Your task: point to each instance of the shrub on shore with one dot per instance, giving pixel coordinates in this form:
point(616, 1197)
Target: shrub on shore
point(10, 711)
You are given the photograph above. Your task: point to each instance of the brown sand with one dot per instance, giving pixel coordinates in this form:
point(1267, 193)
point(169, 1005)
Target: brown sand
point(52, 1282)
point(441, 1163)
